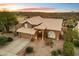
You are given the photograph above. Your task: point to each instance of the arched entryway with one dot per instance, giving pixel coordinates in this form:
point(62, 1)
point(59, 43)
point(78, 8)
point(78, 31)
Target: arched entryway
point(39, 34)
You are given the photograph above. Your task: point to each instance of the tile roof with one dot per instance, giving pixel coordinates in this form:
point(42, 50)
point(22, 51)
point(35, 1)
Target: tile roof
point(51, 24)
point(45, 23)
point(26, 30)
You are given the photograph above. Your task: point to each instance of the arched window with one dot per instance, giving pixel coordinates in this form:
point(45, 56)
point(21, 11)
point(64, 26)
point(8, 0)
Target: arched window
point(51, 34)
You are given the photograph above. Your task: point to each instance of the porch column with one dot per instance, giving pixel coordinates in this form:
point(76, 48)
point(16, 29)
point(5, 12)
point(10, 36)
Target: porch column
point(42, 34)
point(36, 36)
point(57, 35)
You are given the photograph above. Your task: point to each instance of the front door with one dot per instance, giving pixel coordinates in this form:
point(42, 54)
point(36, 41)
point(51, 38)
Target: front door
point(39, 35)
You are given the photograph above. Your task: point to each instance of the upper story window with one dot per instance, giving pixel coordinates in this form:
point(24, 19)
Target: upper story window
point(25, 25)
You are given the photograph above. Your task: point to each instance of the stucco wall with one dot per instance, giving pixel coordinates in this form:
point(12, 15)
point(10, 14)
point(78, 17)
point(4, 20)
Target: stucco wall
point(28, 36)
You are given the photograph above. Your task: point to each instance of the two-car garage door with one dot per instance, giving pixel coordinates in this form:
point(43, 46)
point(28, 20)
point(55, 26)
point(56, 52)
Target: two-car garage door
point(24, 35)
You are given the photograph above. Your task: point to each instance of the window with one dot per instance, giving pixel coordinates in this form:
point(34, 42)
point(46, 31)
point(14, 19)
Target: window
point(51, 34)
point(25, 25)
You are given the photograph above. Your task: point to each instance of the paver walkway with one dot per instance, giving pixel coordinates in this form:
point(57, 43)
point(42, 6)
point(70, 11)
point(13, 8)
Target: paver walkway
point(40, 49)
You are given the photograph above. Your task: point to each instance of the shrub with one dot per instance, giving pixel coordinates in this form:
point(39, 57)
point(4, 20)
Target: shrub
point(0, 30)
point(29, 49)
point(32, 39)
point(10, 39)
point(59, 51)
point(3, 40)
point(76, 43)
point(9, 32)
point(54, 53)
point(68, 49)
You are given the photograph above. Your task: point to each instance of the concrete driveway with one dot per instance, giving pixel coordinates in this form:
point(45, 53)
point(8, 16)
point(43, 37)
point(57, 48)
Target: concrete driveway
point(12, 48)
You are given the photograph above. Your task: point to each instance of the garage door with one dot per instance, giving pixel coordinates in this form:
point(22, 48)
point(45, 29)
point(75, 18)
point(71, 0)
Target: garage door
point(26, 36)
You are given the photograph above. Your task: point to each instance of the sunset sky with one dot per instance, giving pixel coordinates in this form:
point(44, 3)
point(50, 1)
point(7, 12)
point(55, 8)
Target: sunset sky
point(41, 6)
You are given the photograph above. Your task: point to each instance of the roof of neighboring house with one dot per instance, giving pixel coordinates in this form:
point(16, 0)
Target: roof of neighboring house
point(77, 27)
point(13, 47)
point(26, 30)
point(51, 24)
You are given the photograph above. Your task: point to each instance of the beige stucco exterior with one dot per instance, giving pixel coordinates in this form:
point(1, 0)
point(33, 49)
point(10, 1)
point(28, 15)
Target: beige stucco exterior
point(29, 36)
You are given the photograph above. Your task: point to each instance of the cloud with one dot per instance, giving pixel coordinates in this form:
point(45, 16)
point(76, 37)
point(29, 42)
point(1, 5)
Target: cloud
point(7, 4)
point(30, 7)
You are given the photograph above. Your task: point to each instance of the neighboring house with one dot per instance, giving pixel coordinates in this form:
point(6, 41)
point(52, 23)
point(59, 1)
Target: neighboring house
point(77, 27)
point(31, 27)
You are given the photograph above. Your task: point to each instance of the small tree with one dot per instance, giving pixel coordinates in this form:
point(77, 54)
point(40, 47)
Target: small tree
point(7, 20)
point(68, 49)
point(71, 22)
point(76, 43)
point(54, 53)
point(70, 34)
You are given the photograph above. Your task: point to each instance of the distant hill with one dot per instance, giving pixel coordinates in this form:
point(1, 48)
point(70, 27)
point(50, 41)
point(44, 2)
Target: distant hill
point(63, 15)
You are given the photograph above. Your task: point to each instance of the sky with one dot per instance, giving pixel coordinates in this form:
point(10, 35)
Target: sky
point(53, 6)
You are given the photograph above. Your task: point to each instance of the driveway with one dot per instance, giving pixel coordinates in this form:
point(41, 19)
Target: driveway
point(12, 48)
